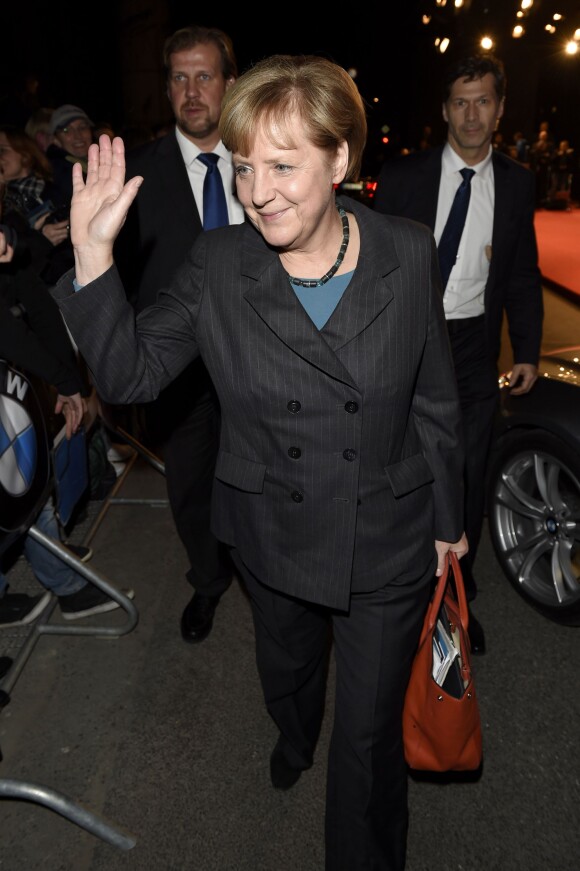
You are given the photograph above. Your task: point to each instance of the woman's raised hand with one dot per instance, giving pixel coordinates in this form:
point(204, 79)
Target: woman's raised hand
point(99, 207)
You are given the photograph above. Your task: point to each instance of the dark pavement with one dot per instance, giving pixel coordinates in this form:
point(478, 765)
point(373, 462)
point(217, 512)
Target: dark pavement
point(170, 742)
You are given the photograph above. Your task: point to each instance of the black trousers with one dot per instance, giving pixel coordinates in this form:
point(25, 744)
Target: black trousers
point(184, 421)
point(366, 803)
point(477, 382)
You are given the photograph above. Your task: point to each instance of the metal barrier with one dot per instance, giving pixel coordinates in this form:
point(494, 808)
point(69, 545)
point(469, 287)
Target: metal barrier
point(63, 805)
point(21, 417)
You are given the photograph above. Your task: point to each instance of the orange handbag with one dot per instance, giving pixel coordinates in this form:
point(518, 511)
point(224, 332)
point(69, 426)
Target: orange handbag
point(441, 720)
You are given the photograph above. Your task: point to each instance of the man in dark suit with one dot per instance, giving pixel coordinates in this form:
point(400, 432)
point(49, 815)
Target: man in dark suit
point(199, 65)
point(494, 269)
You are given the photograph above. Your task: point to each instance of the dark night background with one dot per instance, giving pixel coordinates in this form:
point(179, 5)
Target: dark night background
point(106, 58)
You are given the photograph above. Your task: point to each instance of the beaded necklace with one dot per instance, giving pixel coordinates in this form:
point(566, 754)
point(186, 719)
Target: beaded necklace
point(328, 275)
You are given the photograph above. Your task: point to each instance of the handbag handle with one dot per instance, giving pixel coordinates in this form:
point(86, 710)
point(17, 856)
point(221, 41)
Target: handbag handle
point(452, 570)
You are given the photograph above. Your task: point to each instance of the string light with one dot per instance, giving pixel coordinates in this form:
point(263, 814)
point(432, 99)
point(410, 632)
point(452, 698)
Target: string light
point(487, 42)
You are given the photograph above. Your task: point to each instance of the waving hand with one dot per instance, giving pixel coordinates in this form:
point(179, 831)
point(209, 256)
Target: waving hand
point(99, 207)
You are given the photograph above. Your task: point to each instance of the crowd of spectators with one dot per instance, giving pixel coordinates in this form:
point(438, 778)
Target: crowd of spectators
point(35, 191)
point(554, 163)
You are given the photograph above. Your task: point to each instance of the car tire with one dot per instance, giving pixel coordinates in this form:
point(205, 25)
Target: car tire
point(534, 520)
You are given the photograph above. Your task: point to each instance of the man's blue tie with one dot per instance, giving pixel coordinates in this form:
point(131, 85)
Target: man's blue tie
point(215, 209)
point(451, 236)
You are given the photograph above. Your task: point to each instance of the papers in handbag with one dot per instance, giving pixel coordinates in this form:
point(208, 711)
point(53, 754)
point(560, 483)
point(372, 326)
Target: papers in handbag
point(446, 658)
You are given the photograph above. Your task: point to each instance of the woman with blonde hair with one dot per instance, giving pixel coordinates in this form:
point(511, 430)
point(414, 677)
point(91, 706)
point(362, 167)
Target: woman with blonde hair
point(338, 480)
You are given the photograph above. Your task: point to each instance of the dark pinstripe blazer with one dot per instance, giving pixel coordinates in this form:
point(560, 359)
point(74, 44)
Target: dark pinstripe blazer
point(408, 186)
point(340, 459)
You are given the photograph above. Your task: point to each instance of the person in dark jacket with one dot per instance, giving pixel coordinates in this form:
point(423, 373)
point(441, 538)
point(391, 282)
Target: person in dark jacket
point(338, 479)
point(33, 337)
point(29, 203)
point(71, 130)
point(184, 421)
point(493, 272)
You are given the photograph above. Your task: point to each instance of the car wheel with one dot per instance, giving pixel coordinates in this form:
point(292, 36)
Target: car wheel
point(534, 520)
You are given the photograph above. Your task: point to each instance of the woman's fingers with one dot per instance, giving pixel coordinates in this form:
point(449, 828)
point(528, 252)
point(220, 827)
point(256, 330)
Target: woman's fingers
point(105, 156)
point(106, 161)
point(118, 159)
point(129, 192)
point(78, 182)
point(100, 205)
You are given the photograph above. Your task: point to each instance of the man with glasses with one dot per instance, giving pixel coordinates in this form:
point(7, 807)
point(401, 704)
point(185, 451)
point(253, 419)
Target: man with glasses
point(72, 133)
point(170, 212)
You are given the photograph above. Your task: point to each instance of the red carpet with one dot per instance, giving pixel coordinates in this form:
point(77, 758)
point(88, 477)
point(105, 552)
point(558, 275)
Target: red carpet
point(558, 235)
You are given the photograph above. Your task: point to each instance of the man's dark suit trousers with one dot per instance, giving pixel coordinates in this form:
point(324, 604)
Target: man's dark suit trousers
point(478, 394)
point(185, 421)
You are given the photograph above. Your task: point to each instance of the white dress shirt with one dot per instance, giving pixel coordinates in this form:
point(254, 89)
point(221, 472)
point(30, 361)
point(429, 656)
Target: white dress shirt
point(196, 171)
point(464, 294)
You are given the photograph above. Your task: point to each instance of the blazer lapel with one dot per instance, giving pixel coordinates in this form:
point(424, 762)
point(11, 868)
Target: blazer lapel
point(364, 299)
point(369, 292)
point(273, 299)
point(173, 176)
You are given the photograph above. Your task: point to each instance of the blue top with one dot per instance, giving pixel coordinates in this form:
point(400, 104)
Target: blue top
point(320, 302)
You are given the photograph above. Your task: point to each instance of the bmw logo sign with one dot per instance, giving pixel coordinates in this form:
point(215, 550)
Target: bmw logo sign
point(24, 451)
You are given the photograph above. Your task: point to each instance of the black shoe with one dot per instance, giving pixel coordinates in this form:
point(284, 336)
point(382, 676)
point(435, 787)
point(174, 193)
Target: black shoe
point(17, 609)
point(476, 636)
point(282, 775)
point(87, 601)
point(197, 617)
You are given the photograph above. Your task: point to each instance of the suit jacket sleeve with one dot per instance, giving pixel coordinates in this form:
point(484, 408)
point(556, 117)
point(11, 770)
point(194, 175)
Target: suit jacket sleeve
point(437, 415)
point(133, 357)
point(522, 292)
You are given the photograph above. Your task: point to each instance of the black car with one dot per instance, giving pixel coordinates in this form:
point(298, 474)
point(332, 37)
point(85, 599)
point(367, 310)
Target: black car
point(534, 488)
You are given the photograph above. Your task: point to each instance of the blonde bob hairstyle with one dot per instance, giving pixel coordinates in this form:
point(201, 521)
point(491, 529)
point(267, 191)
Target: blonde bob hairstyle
point(323, 94)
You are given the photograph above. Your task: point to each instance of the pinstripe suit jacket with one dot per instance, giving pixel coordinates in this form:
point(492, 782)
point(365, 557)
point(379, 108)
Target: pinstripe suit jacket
point(340, 458)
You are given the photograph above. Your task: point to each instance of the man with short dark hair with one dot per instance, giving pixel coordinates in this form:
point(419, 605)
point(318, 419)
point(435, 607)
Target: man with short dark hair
point(161, 227)
point(479, 204)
